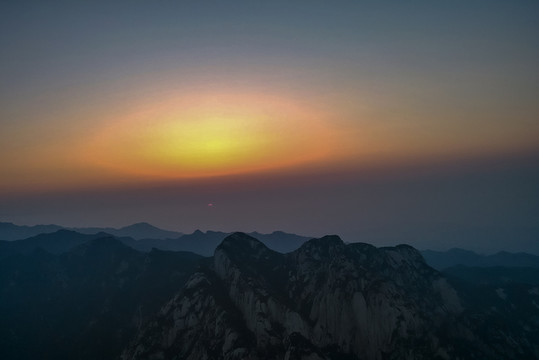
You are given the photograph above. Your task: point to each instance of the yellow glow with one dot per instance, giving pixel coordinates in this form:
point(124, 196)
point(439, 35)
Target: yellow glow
point(206, 143)
point(212, 134)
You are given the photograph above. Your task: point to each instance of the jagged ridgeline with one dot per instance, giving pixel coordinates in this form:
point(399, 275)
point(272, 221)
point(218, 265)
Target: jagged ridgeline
point(325, 300)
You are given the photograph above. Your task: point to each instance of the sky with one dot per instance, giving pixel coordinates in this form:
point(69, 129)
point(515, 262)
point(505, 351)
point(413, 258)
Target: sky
point(383, 122)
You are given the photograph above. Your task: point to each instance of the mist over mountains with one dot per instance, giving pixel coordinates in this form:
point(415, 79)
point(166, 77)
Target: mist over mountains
point(143, 236)
point(140, 236)
point(66, 295)
point(142, 230)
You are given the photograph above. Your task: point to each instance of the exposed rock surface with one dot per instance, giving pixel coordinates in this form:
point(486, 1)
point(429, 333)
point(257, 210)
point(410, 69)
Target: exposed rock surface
point(326, 300)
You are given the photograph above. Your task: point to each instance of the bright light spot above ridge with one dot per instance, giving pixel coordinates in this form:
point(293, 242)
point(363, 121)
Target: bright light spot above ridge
point(209, 135)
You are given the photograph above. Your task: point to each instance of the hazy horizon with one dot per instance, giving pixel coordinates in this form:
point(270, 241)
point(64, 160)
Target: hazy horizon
point(383, 123)
point(396, 207)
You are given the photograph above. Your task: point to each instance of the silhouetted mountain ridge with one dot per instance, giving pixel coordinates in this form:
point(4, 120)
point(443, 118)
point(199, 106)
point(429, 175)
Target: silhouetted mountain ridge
point(10, 231)
point(57, 242)
point(96, 297)
point(329, 300)
point(144, 237)
point(136, 231)
point(86, 303)
point(142, 230)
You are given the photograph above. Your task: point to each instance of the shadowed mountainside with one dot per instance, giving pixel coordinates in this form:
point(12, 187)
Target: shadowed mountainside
point(86, 303)
point(202, 243)
point(329, 300)
point(94, 297)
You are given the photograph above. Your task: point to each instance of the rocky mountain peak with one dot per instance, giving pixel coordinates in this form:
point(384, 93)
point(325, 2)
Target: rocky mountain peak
point(239, 241)
point(326, 300)
point(404, 255)
point(242, 250)
point(326, 241)
point(323, 248)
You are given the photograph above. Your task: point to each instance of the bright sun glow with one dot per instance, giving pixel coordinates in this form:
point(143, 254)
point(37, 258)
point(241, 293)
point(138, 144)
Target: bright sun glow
point(209, 143)
point(212, 135)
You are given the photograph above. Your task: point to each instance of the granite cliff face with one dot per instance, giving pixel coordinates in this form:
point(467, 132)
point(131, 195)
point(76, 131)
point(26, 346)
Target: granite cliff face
point(326, 300)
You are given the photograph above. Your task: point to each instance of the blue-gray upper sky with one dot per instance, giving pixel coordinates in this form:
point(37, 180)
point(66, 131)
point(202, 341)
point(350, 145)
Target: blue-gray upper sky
point(260, 107)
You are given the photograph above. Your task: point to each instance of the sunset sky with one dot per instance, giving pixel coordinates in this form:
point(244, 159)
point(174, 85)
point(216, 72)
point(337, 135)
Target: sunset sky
point(382, 122)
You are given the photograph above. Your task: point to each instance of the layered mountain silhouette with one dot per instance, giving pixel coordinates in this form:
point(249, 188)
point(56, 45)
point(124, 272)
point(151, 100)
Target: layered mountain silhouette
point(328, 300)
point(325, 300)
point(500, 268)
point(136, 231)
point(10, 231)
point(86, 303)
point(459, 257)
point(142, 230)
point(55, 243)
point(202, 243)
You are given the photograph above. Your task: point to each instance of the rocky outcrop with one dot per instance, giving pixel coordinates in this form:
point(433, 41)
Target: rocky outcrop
point(326, 300)
point(198, 323)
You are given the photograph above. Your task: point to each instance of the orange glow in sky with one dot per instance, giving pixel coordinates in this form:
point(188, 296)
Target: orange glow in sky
point(167, 90)
point(210, 135)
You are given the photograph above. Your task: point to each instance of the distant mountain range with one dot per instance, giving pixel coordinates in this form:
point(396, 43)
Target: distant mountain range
point(441, 260)
point(136, 231)
point(142, 230)
point(498, 269)
point(94, 297)
point(143, 236)
point(10, 231)
point(58, 242)
point(202, 243)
